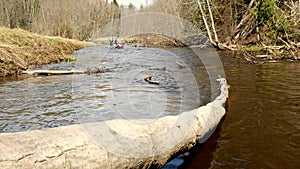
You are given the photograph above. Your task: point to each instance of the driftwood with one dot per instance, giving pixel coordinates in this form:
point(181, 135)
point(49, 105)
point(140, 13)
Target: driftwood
point(273, 47)
point(105, 144)
point(61, 72)
point(148, 79)
point(53, 72)
point(263, 56)
point(180, 65)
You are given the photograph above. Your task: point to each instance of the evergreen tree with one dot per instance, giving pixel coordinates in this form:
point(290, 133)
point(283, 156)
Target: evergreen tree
point(131, 6)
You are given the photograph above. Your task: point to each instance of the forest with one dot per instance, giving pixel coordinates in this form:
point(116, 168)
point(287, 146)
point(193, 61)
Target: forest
point(78, 91)
point(269, 25)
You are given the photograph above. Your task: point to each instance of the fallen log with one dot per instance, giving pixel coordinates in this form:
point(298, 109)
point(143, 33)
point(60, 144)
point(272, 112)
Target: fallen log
point(151, 144)
point(52, 72)
point(61, 72)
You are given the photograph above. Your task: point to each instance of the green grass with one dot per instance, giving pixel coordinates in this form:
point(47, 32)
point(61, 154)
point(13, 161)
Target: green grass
point(70, 58)
point(254, 48)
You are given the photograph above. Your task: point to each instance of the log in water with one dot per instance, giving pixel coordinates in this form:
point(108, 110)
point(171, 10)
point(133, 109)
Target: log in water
point(62, 72)
point(53, 72)
point(72, 147)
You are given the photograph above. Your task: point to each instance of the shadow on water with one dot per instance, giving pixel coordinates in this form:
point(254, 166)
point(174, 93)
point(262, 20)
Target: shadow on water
point(262, 124)
point(261, 128)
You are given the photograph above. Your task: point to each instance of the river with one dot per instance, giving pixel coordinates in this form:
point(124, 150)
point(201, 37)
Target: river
point(260, 129)
point(262, 125)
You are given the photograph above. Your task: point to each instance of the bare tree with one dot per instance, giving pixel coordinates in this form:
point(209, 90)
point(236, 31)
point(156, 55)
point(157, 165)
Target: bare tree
point(68, 18)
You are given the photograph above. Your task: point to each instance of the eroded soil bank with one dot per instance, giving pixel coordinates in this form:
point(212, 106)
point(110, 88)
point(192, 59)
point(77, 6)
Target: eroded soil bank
point(20, 50)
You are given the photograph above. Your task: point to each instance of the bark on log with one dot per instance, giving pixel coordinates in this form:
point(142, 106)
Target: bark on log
point(72, 147)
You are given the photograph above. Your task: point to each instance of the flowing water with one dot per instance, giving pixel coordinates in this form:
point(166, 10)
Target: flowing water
point(262, 125)
point(260, 130)
point(29, 103)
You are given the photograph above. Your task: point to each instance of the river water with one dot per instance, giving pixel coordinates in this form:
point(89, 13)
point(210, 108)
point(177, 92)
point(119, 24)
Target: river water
point(262, 125)
point(260, 130)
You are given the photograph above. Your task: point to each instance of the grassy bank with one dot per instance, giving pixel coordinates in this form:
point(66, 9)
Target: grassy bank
point(20, 50)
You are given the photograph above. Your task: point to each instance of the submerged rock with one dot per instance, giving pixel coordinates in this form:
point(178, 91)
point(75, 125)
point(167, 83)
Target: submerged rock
point(93, 70)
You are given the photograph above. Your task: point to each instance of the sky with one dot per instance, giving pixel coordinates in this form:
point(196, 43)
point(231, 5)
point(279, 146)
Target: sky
point(136, 3)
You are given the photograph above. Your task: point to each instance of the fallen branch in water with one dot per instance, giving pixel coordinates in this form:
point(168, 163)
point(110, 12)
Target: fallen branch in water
point(152, 143)
point(180, 65)
point(52, 72)
point(148, 79)
point(61, 72)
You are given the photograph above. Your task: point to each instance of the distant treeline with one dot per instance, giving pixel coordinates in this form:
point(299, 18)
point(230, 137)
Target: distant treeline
point(76, 19)
point(240, 21)
point(225, 21)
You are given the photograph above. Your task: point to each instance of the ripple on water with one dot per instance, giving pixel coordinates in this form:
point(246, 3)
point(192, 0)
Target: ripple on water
point(263, 121)
point(119, 92)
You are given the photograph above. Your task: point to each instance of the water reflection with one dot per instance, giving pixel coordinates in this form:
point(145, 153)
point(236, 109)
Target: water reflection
point(262, 125)
point(261, 129)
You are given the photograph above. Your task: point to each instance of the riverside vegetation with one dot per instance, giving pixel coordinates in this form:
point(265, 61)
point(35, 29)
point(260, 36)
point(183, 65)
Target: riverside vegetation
point(252, 27)
point(269, 28)
point(20, 50)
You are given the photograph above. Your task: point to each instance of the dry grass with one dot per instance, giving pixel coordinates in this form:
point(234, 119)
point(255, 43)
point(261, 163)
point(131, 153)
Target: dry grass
point(294, 15)
point(20, 50)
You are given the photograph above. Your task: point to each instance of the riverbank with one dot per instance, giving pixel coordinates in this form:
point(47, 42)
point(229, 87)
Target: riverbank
point(262, 53)
point(251, 53)
point(21, 50)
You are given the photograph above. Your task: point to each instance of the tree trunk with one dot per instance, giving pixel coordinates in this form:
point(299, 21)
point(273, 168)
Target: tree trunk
point(120, 143)
point(212, 22)
point(205, 23)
